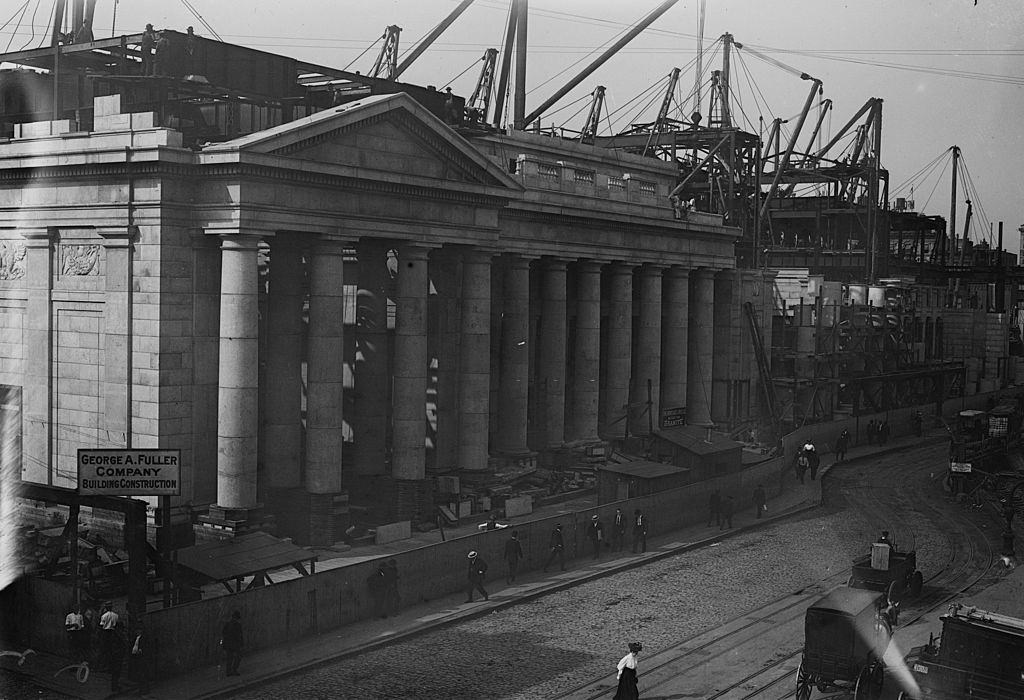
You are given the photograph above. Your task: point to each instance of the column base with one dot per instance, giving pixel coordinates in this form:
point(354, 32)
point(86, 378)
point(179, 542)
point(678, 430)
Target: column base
point(508, 461)
point(322, 521)
point(290, 507)
point(414, 500)
point(222, 523)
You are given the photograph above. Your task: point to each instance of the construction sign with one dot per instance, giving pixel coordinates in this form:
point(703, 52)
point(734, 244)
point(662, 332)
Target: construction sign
point(129, 472)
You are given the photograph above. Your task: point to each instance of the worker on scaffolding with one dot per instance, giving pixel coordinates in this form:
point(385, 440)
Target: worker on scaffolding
point(147, 47)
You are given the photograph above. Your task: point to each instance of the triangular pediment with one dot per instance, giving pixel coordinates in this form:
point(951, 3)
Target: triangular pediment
point(387, 134)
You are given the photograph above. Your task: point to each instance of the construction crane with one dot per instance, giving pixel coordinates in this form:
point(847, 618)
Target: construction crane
point(386, 65)
point(480, 100)
point(594, 116)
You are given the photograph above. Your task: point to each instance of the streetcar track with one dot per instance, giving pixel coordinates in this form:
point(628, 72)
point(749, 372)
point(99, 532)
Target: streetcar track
point(970, 560)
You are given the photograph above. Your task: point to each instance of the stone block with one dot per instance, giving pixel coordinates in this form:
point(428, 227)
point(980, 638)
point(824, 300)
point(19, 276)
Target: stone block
point(143, 120)
point(465, 509)
point(112, 122)
point(448, 485)
point(392, 532)
point(106, 105)
point(521, 505)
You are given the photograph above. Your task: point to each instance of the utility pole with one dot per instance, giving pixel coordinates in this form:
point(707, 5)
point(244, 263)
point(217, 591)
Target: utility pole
point(952, 201)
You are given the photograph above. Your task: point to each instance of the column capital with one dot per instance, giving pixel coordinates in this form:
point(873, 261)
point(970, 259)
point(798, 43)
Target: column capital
point(477, 256)
point(677, 272)
point(38, 237)
point(553, 262)
point(328, 246)
point(620, 267)
point(727, 273)
point(413, 251)
point(229, 230)
point(118, 236)
point(651, 269)
point(588, 265)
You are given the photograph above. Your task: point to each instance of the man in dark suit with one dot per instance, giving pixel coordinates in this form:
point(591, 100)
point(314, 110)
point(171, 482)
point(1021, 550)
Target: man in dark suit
point(557, 545)
point(513, 555)
point(595, 533)
point(639, 531)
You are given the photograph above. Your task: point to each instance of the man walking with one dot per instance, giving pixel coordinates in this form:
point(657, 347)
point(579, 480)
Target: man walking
point(618, 530)
point(813, 461)
point(475, 576)
point(727, 508)
point(639, 531)
point(760, 500)
point(231, 642)
point(391, 600)
point(557, 546)
point(715, 508)
point(872, 431)
point(595, 533)
point(513, 555)
point(842, 444)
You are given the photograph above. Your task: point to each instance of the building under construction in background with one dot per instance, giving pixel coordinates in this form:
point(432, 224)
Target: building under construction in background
point(357, 305)
point(805, 294)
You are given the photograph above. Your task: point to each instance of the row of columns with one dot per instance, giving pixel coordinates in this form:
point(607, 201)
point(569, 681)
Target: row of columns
point(666, 360)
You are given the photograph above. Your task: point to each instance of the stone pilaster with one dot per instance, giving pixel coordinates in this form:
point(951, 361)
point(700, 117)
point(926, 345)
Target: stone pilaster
point(551, 373)
point(645, 387)
point(674, 334)
point(586, 392)
point(117, 338)
point(513, 379)
point(726, 349)
point(37, 392)
point(619, 355)
point(701, 352)
point(372, 378)
point(282, 411)
point(410, 372)
point(325, 387)
point(474, 361)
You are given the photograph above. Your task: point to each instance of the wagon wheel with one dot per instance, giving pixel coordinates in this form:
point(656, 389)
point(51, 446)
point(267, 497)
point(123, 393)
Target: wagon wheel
point(869, 682)
point(803, 684)
point(916, 583)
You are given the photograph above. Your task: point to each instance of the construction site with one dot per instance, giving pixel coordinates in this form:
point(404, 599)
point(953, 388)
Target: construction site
point(783, 280)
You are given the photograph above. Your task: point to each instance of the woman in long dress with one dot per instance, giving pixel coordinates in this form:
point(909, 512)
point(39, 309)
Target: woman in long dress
point(627, 689)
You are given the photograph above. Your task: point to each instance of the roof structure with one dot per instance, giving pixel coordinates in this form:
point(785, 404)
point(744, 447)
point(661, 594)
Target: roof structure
point(253, 554)
point(643, 469)
point(695, 440)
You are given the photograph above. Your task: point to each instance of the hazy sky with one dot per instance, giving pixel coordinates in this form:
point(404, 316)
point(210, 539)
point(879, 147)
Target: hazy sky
point(949, 71)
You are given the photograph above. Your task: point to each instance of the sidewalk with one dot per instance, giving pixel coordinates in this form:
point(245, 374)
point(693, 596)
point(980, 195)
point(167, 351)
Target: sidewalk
point(265, 664)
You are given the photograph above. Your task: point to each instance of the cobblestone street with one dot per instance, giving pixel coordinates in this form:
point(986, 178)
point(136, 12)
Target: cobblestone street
point(551, 645)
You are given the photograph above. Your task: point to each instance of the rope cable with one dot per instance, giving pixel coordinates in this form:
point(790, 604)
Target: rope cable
point(16, 27)
point(32, 24)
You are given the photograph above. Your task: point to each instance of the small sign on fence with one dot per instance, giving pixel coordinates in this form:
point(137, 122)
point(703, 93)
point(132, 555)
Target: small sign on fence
point(962, 467)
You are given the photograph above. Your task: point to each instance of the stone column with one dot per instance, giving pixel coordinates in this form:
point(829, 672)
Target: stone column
point(282, 408)
point(620, 341)
point(648, 355)
point(474, 361)
point(674, 333)
point(370, 416)
point(586, 354)
point(324, 392)
point(551, 375)
point(700, 351)
point(237, 406)
point(446, 278)
point(117, 342)
point(513, 391)
point(410, 373)
point(37, 392)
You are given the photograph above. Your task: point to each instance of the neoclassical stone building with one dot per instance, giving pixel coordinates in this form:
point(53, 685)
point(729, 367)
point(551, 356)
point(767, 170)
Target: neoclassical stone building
point(356, 301)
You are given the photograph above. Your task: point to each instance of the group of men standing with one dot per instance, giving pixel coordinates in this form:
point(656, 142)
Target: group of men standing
point(595, 533)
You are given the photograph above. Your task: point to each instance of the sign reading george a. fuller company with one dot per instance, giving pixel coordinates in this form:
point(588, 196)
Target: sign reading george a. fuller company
point(129, 472)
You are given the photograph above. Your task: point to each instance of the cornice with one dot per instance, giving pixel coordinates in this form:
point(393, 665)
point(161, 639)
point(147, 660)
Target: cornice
point(243, 171)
